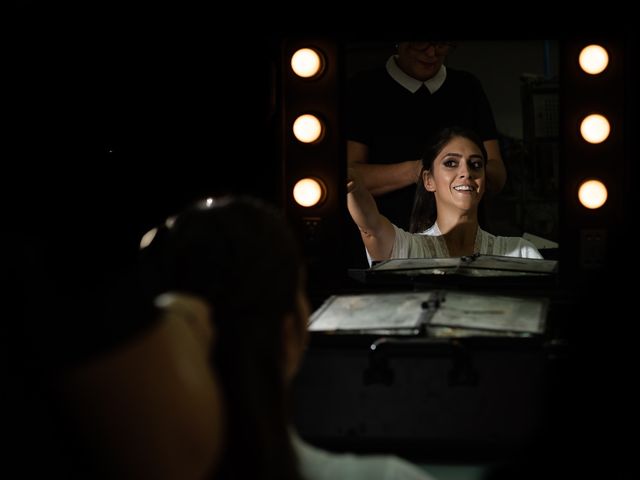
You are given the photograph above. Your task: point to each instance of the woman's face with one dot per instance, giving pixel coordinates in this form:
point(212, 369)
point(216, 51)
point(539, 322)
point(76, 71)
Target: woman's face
point(457, 177)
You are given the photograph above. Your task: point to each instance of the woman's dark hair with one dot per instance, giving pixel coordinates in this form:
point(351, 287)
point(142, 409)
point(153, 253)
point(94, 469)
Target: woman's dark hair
point(424, 213)
point(240, 255)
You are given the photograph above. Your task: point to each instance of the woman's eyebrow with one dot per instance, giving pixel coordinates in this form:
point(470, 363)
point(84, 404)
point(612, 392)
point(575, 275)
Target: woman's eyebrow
point(459, 155)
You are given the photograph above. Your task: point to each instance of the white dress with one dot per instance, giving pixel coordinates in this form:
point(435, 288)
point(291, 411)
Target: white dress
point(316, 464)
point(431, 244)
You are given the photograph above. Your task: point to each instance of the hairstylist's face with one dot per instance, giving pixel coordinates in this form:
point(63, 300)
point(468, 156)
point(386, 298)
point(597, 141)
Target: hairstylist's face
point(421, 60)
point(457, 178)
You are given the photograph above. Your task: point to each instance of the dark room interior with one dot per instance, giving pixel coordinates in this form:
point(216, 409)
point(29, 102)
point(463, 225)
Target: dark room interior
point(114, 123)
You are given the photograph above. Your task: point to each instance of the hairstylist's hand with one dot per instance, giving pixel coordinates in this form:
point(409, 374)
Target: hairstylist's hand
point(353, 179)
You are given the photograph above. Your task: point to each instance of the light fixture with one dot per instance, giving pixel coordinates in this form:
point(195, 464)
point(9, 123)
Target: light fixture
point(308, 128)
point(147, 238)
point(312, 151)
point(309, 192)
point(592, 194)
point(595, 128)
point(593, 59)
point(307, 63)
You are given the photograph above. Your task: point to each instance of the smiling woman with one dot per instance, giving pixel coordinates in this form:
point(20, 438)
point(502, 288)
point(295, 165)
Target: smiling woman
point(393, 110)
point(455, 179)
point(517, 80)
point(445, 215)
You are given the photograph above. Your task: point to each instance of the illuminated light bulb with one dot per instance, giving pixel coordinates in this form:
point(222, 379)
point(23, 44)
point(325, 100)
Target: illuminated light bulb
point(595, 128)
point(592, 194)
point(308, 128)
point(170, 221)
point(147, 238)
point(308, 192)
point(306, 63)
point(593, 59)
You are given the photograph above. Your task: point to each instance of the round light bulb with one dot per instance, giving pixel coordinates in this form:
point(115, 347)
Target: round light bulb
point(147, 238)
point(593, 59)
point(592, 194)
point(306, 63)
point(595, 128)
point(307, 128)
point(308, 192)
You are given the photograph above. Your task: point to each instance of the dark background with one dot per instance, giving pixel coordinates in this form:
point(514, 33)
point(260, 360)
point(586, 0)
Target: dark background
point(115, 119)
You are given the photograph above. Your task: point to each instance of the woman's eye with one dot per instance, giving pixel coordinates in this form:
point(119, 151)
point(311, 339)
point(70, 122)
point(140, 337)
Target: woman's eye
point(449, 163)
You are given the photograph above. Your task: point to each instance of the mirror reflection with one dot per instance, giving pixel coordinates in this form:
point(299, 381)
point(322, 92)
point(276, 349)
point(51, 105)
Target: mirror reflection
point(401, 95)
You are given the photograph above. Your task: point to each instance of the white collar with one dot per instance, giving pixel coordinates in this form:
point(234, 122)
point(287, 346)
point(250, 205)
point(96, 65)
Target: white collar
point(412, 84)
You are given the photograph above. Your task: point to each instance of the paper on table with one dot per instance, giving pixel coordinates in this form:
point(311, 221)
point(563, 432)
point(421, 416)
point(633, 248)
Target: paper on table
point(491, 312)
point(370, 311)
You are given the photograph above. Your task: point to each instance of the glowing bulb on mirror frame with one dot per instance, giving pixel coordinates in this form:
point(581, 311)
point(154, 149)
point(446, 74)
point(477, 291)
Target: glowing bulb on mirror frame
point(308, 128)
point(308, 192)
point(593, 59)
point(595, 128)
point(592, 194)
point(307, 63)
point(147, 238)
point(170, 221)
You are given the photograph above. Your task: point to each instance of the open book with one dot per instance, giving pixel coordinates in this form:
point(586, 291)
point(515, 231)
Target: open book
point(440, 313)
